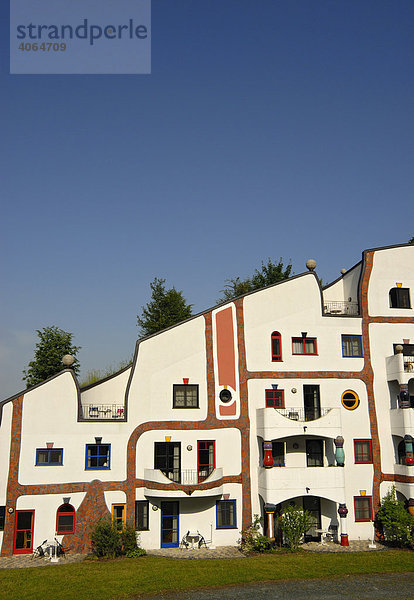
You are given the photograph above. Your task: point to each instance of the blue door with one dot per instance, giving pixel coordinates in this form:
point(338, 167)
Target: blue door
point(169, 524)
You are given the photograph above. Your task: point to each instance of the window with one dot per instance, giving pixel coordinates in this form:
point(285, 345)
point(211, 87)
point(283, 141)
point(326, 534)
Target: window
point(49, 456)
point(311, 402)
point(185, 396)
point(363, 508)
point(278, 454)
point(141, 515)
point(98, 456)
point(2, 517)
point(400, 297)
point(314, 453)
point(226, 514)
point(119, 515)
point(167, 458)
point(401, 453)
point(275, 398)
point(65, 519)
point(350, 400)
point(276, 346)
point(351, 346)
point(206, 459)
point(362, 451)
point(304, 345)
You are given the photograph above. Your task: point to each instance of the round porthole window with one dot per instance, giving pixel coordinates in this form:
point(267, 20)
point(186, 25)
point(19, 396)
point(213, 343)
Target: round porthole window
point(350, 400)
point(225, 395)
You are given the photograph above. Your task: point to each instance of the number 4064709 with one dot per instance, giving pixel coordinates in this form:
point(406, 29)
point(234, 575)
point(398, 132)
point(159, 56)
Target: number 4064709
point(44, 46)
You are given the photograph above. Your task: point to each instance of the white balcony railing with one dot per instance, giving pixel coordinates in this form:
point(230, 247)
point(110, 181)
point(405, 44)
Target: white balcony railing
point(409, 364)
point(303, 414)
point(96, 412)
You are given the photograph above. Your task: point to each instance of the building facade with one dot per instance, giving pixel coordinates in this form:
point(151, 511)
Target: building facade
point(292, 394)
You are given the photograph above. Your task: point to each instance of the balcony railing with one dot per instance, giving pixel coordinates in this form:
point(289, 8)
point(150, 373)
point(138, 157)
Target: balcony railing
point(303, 414)
point(336, 307)
point(187, 476)
point(95, 412)
point(409, 364)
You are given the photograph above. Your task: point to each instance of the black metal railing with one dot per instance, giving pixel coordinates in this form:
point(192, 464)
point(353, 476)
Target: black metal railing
point(95, 412)
point(303, 414)
point(336, 307)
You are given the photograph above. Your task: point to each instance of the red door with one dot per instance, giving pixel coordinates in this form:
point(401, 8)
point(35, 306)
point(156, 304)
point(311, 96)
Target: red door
point(23, 532)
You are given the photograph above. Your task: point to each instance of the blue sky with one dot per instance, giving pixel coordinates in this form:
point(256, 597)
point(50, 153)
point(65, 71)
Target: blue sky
point(266, 129)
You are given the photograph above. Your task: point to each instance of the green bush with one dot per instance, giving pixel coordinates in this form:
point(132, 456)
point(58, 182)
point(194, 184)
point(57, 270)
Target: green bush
point(252, 540)
point(109, 542)
point(106, 540)
point(395, 521)
point(294, 523)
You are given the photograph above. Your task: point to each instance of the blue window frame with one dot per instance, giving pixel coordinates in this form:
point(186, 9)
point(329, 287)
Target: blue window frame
point(98, 456)
point(226, 517)
point(352, 346)
point(49, 456)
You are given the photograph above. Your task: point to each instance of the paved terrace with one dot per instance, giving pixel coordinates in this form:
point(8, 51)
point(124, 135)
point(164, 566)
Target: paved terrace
point(25, 560)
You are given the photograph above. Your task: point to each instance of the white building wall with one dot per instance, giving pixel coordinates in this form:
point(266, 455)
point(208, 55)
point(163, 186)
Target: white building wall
point(391, 266)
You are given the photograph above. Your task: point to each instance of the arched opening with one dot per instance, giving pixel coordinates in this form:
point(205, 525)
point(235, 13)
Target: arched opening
point(65, 519)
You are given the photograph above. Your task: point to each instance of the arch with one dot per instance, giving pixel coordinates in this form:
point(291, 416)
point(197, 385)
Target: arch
point(276, 346)
point(65, 519)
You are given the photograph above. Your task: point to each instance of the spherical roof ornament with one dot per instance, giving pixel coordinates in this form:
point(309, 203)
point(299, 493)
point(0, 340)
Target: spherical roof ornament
point(343, 271)
point(68, 360)
point(311, 264)
point(398, 349)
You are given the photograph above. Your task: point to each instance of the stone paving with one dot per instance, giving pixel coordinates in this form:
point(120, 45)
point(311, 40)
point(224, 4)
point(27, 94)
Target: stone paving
point(25, 560)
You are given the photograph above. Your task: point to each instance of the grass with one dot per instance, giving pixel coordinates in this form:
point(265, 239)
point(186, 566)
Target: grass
point(131, 578)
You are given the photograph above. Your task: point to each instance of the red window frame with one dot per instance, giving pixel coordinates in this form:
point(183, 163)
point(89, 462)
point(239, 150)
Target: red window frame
point(269, 399)
point(356, 500)
point(62, 511)
point(202, 445)
point(358, 461)
point(276, 337)
point(303, 340)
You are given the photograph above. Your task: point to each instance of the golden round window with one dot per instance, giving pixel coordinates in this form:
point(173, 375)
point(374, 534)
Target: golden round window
point(350, 400)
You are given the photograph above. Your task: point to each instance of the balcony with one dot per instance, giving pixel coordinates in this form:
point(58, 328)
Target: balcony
point(102, 412)
point(400, 368)
point(273, 423)
point(402, 421)
point(340, 308)
point(281, 483)
point(183, 483)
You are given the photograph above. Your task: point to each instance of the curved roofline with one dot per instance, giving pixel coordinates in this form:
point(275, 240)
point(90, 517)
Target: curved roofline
point(328, 285)
point(33, 387)
point(84, 388)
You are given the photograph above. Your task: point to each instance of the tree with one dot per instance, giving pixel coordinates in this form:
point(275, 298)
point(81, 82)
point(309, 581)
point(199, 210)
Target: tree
point(271, 272)
point(397, 524)
point(411, 240)
point(166, 308)
point(52, 346)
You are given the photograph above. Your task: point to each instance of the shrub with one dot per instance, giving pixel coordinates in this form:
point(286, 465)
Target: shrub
point(252, 540)
point(106, 540)
point(294, 523)
point(109, 542)
point(396, 523)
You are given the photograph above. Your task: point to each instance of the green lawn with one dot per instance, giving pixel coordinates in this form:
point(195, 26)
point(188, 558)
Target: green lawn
point(130, 578)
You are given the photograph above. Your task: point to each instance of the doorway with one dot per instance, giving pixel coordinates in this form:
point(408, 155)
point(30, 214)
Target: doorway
point(313, 505)
point(169, 524)
point(23, 532)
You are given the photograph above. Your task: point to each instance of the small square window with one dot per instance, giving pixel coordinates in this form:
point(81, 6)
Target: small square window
point(275, 398)
point(351, 346)
point(226, 514)
point(400, 298)
point(2, 517)
point(141, 515)
point(98, 456)
point(185, 396)
point(362, 451)
point(363, 508)
point(49, 456)
point(304, 345)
